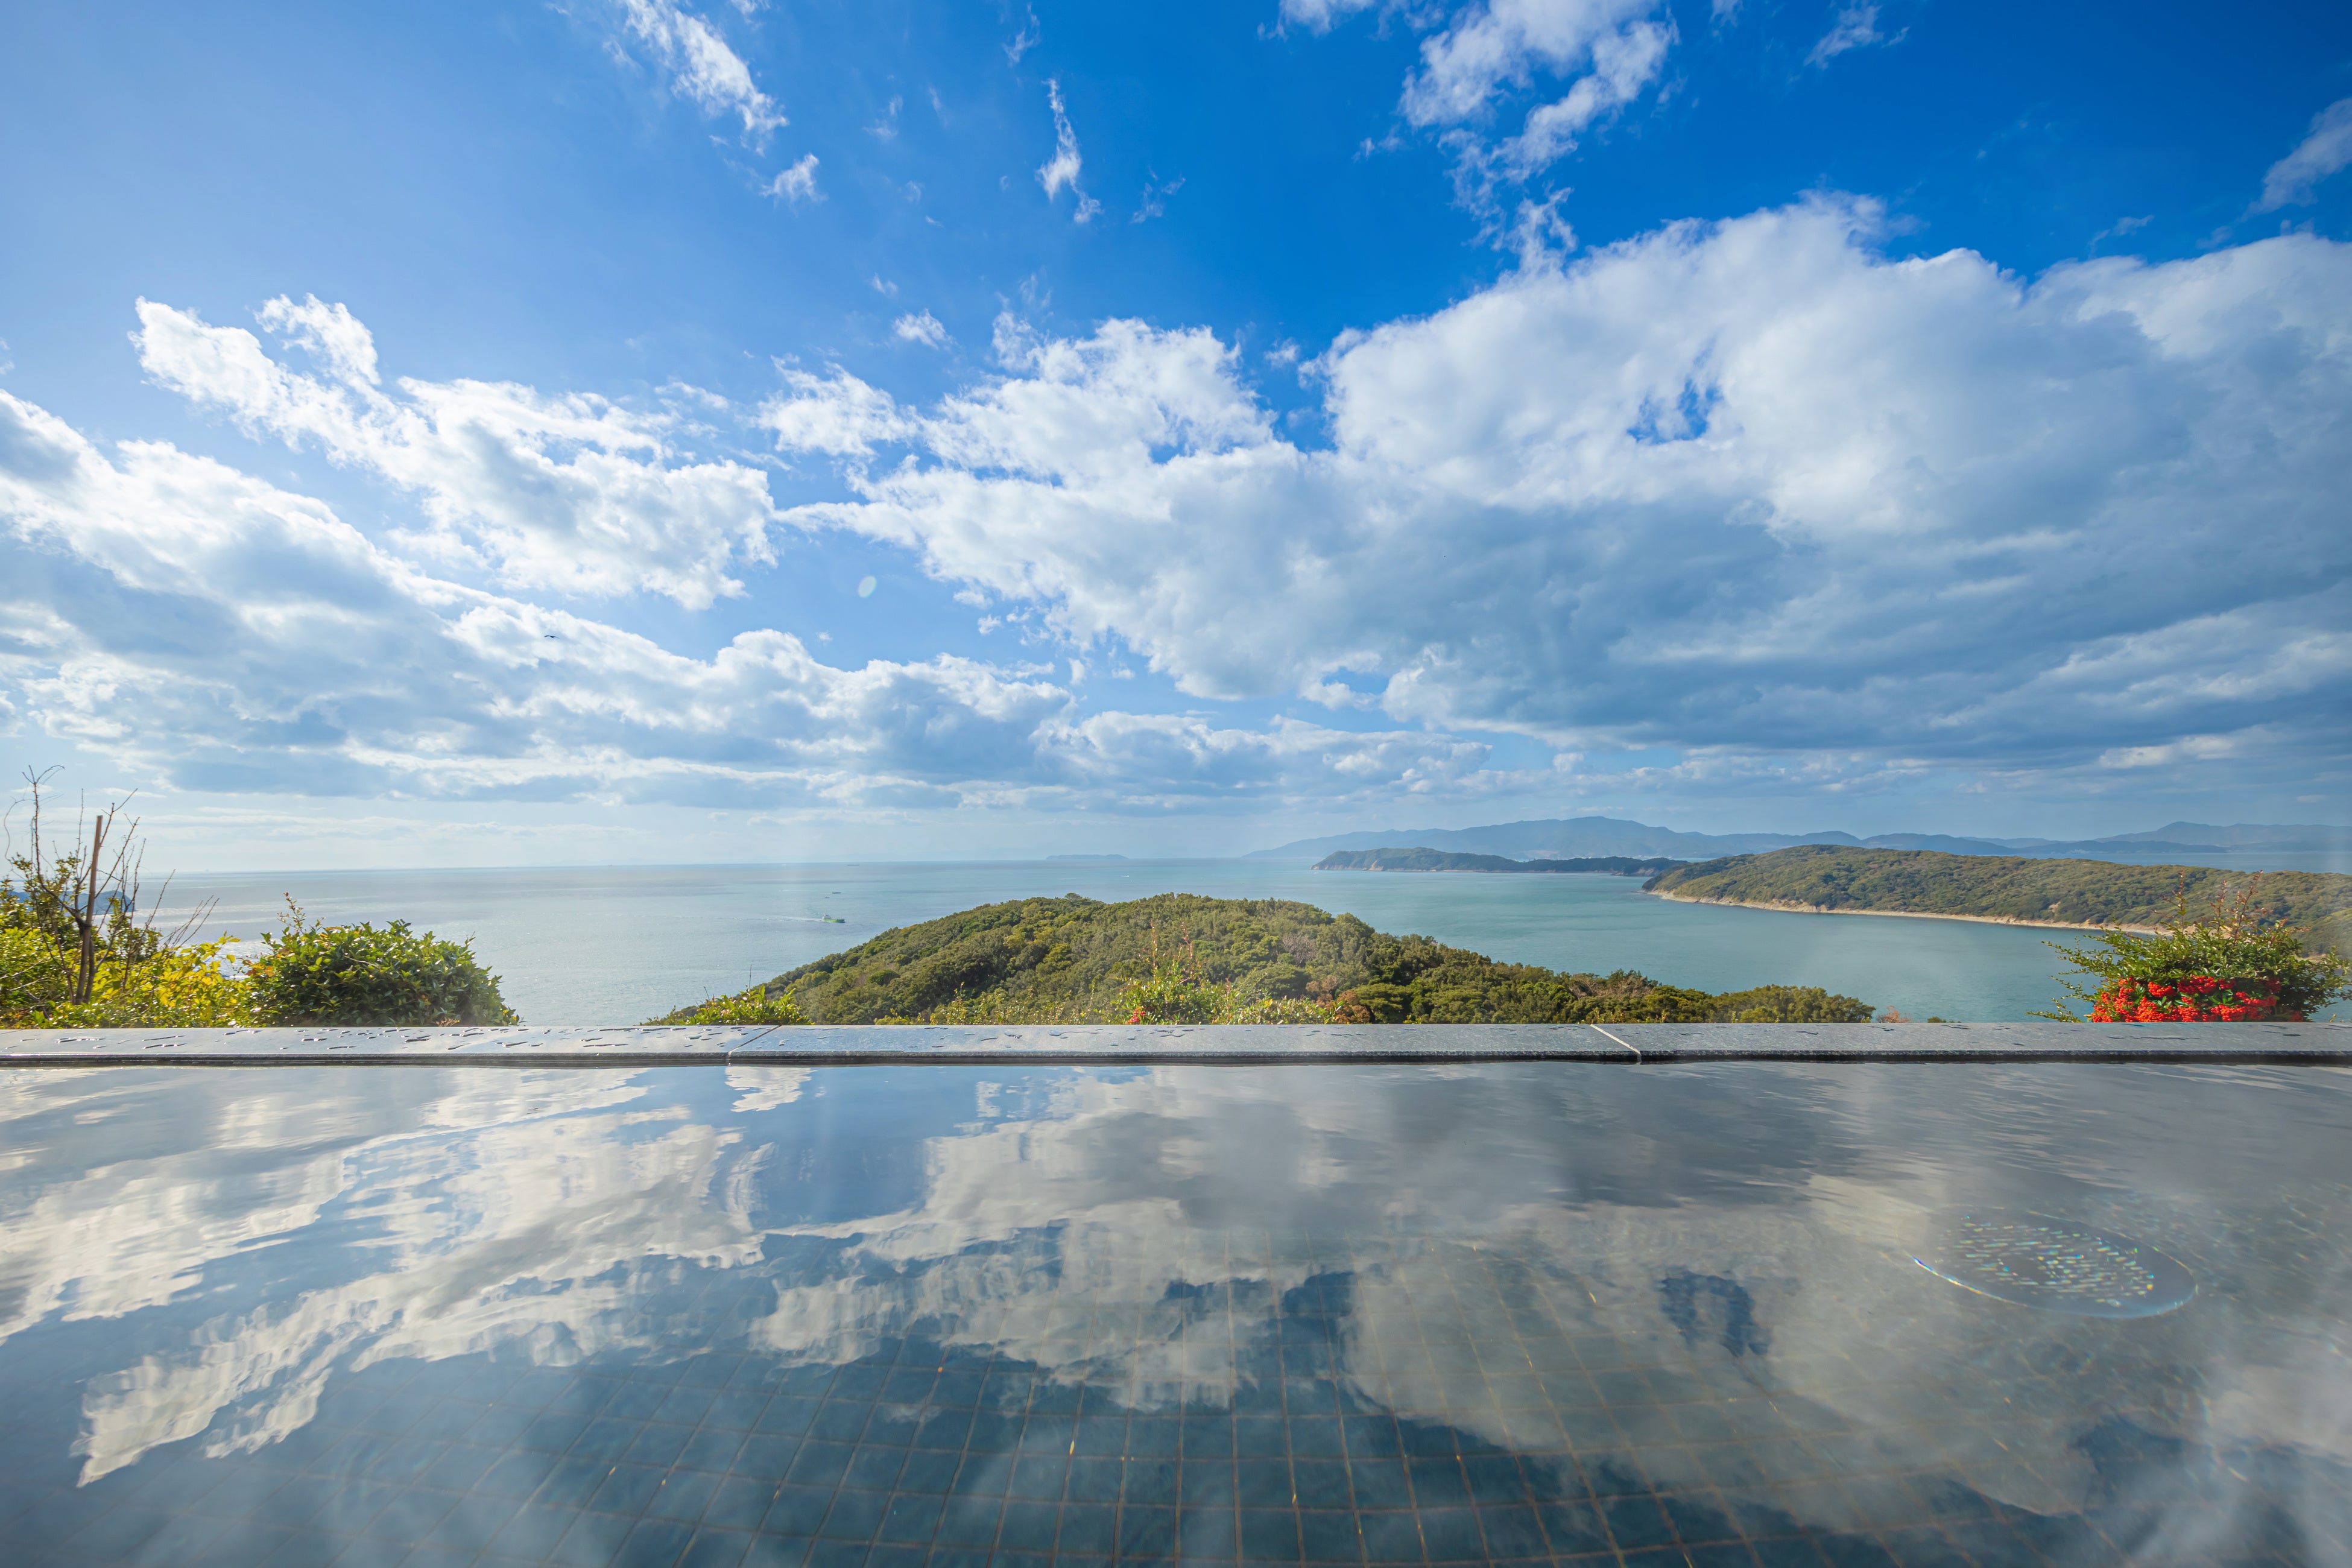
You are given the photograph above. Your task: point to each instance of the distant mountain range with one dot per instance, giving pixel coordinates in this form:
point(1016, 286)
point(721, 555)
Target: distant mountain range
point(1418, 859)
point(1609, 836)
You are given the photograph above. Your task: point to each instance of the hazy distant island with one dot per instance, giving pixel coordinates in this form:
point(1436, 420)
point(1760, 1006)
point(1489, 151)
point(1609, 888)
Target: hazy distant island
point(2011, 890)
point(1076, 960)
point(1417, 859)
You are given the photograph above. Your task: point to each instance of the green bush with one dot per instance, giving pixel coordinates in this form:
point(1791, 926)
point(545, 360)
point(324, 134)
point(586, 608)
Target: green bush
point(2230, 966)
point(36, 974)
point(757, 1006)
point(1787, 1004)
point(314, 973)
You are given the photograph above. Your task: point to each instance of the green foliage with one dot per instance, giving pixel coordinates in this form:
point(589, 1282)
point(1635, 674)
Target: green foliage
point(1175, 991)
point(1787, 1004)
point(315, 974)
point(75, 952)
point(185, 987)
point(757, 1006)
point(36, 974)
point(2263, 970)
point(2010, 887)
point(1074, 959)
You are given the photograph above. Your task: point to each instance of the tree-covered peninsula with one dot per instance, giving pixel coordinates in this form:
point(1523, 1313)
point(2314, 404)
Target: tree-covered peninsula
point(1177, 957)
point(1827, 879)
point(1419, 859)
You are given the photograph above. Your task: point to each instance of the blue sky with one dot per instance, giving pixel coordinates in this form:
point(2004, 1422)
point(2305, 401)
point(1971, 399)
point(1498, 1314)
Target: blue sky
point(461, 433)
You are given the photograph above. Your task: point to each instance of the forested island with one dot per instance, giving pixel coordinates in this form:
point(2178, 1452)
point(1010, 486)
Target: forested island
point(1822, 879)
point(1178, 957)
point(1417, 859)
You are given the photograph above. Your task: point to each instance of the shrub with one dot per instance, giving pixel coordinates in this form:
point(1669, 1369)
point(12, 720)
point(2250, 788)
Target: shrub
point(1175, 991)
point(185, 987)
point(78, 945)
point(990, 1007)
point(1787, 1004)
point(36, 974)
point(314, 973)
point(757, 1006)
point(2226, 968)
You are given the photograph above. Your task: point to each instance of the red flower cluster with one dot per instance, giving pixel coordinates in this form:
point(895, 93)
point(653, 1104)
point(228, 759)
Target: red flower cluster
point(2200, 999)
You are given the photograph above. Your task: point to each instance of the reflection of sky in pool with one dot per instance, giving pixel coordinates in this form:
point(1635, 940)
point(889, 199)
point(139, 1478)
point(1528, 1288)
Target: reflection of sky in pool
point(890, 1316)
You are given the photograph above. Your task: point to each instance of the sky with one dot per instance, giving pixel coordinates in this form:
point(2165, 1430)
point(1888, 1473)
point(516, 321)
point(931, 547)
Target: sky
point(611, 430)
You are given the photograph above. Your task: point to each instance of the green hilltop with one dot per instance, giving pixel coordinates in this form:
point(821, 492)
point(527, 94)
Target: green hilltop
point(2010, 887)
point(1072, 959)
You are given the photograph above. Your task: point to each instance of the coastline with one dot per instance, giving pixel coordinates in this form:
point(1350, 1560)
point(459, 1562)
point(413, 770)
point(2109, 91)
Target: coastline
point(1783, 908)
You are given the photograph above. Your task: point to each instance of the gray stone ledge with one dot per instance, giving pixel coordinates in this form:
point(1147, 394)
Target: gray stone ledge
point(1096, 1044)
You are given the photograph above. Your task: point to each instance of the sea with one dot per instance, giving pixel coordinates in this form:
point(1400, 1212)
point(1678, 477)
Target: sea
point(620, 945)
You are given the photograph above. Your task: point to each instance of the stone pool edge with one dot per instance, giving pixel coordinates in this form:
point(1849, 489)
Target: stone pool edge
point(2325, 1044)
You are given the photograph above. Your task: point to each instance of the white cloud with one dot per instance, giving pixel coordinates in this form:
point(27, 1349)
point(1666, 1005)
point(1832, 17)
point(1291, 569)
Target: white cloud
point(1745, 491)
point(839, 415)
point(1155, 198)
point(213, 632)
point(2324, 149)
point(922, 328)
point(1856, 27)
point(1490, 53)
point(1746, 484)
point(795, 185)
point(1624, 63)
point(700, 64)
point(1503, 43)
point(1023, 42)
point(2120, 229)
point(1322, 15)
point(570, 493)
point(1061, 170)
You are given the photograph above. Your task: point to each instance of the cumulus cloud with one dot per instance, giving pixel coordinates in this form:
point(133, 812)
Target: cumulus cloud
point(220, 634)
point(700, 64)
point(1856, 28)
point(920, 328)
point(572, 493)
point(1750, 485)
point(1750, 491)
point(1061, 170)
point(838, 415)
point(2326, 149)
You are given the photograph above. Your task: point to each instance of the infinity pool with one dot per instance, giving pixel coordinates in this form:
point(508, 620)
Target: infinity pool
point(1742, 1313)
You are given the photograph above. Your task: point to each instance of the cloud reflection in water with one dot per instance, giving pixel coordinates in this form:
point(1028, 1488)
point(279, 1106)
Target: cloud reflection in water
point(1618, 1267)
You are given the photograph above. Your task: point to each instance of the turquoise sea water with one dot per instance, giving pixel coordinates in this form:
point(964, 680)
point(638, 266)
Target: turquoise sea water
point(619, 945)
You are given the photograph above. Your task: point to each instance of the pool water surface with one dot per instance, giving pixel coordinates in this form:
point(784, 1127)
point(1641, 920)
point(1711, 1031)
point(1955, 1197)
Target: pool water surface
point(887, 1316)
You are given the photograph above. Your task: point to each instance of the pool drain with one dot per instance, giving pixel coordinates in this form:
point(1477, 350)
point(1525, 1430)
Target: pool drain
point(2036, 1261)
